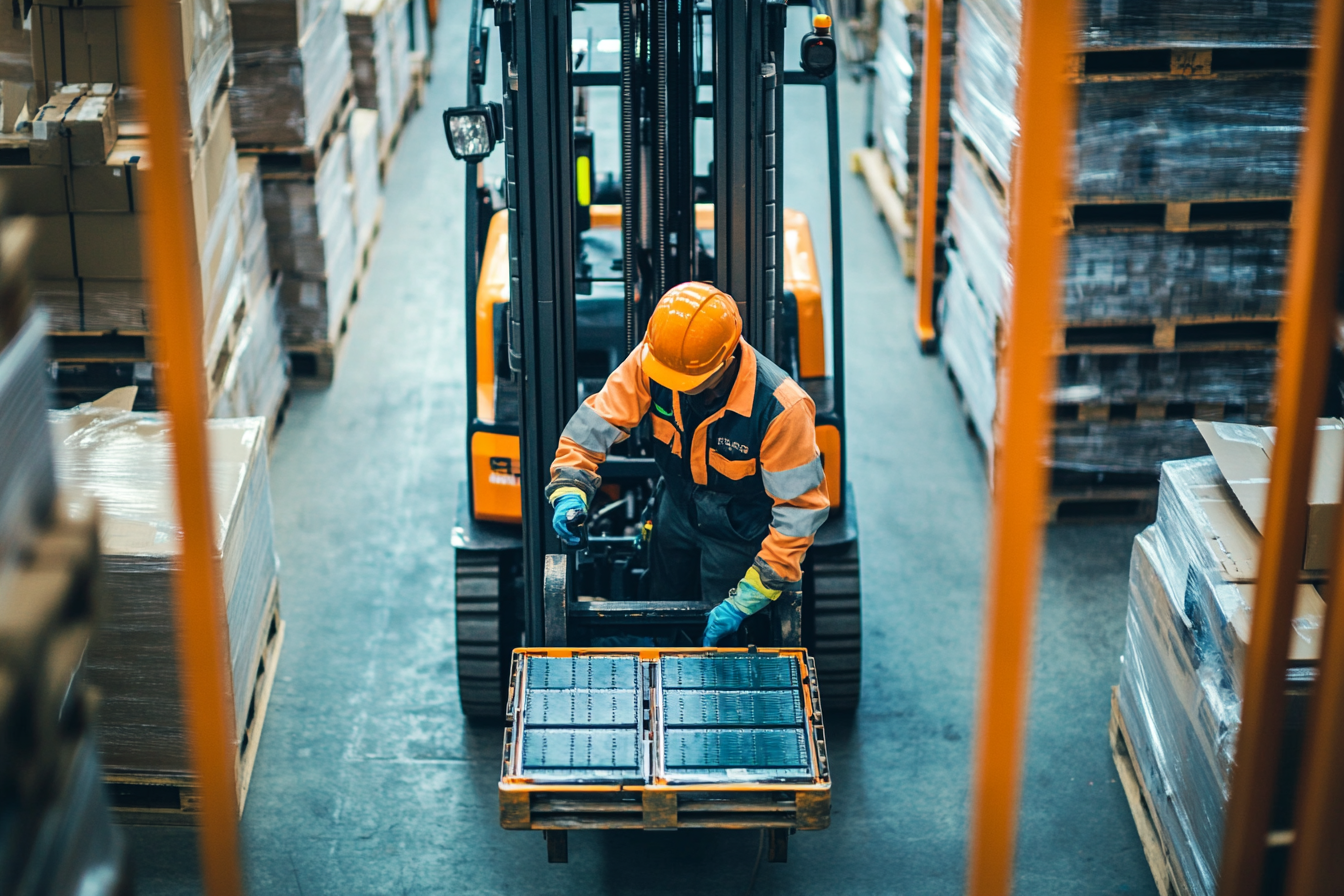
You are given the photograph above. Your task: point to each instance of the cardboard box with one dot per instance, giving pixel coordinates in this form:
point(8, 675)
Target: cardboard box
point(89, 42)
point(114, 186)
point(53, 255)
point(92, 123)
point(108, 246)
point(1243, 454)
point(115, 305)
point(34, 190)
point(61, 299)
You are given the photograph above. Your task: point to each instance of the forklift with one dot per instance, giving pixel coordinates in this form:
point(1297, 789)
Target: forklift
point(563, 271)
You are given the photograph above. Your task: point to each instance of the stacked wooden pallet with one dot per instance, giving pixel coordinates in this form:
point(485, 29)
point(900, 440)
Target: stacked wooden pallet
point(896, 97)
point(1186, 153)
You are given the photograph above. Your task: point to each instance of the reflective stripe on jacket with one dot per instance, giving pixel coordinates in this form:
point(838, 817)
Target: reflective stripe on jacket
point(759, 450)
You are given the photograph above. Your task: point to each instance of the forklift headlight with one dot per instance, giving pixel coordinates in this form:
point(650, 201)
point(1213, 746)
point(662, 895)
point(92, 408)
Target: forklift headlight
point(473, 131)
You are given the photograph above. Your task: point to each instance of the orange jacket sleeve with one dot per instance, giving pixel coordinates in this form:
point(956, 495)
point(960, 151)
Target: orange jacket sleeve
point(600, 422)
point(792, 472)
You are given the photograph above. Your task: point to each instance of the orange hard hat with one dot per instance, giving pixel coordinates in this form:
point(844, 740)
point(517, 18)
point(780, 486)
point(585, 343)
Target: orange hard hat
point(691, 336)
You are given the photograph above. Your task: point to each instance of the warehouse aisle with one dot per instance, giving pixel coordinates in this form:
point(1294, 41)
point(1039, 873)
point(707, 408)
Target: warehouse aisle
point(368, 779)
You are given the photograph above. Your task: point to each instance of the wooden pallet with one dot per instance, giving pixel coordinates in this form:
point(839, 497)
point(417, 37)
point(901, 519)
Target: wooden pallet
point(1128, 214)
point(141, 797)
point(312, 365)
point(1188, 63)
point(657, 805)
point(1102, 504)
point(279, 161)
point(1232, 210)
point(1156, 840)
point(1211, 333)
point(872, 165)
point(1159, 410)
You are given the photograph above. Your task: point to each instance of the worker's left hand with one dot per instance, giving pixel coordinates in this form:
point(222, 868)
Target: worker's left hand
point(723, 621)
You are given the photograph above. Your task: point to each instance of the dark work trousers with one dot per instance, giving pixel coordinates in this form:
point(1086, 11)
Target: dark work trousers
point(694, 550)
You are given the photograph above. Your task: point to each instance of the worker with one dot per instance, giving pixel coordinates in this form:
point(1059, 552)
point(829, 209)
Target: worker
point(743, 490)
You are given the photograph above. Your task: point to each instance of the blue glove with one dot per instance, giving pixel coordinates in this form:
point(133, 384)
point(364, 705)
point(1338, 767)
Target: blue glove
point(571, 515)
point(723, 621)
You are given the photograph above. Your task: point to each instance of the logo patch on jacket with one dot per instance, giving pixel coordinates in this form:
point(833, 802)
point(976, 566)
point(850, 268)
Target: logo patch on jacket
point(665, 413)
point(730, 445)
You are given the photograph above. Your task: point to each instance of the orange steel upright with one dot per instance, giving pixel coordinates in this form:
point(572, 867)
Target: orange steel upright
point(1045, 107)
point(1313, 261)
point(202, 646)
point(926, 233)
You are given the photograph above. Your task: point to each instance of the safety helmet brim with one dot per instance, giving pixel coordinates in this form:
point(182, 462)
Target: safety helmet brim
point(674, 379)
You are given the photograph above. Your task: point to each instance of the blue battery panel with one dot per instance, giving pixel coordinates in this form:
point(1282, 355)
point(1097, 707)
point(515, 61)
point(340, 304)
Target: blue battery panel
point(736, 748)
point(582, 672)
point(734, 671)
point(581, 709)
point(732, 709)
point(566, 749)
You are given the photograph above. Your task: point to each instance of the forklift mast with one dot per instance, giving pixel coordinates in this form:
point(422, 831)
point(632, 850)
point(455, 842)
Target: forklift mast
point(664, 68)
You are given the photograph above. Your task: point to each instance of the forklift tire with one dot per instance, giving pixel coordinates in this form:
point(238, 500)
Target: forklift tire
point(779, 844)
point(557, 847)
point(482, 654)
point(833, 622)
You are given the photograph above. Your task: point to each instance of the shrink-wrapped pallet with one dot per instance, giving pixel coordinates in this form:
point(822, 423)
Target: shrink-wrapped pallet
point(123, 459)
point(256, 256)
point(257, 379)
point(367, 195)
point(1181, 685)
point(380, 56)
point(312, 242)
point(27, 486)
point(292, 66)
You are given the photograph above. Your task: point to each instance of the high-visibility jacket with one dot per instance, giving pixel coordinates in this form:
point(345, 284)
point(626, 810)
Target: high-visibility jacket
point(760, 449)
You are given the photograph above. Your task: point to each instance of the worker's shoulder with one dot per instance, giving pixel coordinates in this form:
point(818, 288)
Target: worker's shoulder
point(776, 386)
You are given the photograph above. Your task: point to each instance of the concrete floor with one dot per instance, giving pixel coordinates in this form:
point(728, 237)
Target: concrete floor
point(370, 781)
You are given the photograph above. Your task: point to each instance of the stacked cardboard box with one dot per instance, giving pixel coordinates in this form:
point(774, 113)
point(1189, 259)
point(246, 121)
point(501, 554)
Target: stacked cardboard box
point(56, 834)
point(123, 459)
point(256, 377)
point(366, 185)
point(897, 92)
point(1191, 598)
point(1185, 155)
point(380, 47)
point(292, 70)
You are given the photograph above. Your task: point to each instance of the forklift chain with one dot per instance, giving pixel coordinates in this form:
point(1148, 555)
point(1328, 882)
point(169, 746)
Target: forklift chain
point(833, 623)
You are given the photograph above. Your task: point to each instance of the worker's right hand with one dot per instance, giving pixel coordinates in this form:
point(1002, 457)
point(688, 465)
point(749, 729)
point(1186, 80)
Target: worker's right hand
point(571, 515)
point(723, 621)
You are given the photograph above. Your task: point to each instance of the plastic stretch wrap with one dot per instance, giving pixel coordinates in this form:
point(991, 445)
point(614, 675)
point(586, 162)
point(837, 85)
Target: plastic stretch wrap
point(985, 92)
point(1156, 276)
point(1187, 630)
point(968, 347)
point(1130, 446)
point(288, 78)
point(1245, 23)
point(1240, 377)
point(76, 851)
point(256, 258)
point(123, 459)
point(364, 177)
point(979, 229)
point(379, 54)
point(1188, 139)
point(256, 380)
point(27, 478)
point(312, 239)
point(899, 62)
point(221, 251)
point(210, 46)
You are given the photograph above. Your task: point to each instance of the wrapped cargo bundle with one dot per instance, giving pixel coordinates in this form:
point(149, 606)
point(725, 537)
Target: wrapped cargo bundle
point(56, 832)
point(88, 44)
point(292, 69)
point(380, 50)
point(312, 241)
point(1168, 155)
point(367, 186)
point(1191, 593)
point(256, 251)
point(27, 486)
point(123, 459)
point(970, 349)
